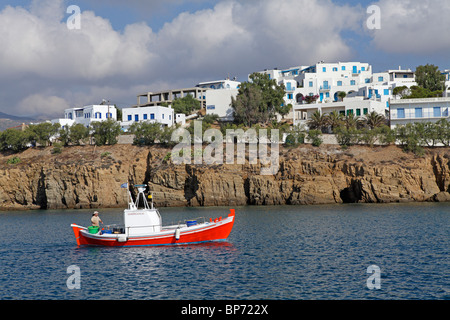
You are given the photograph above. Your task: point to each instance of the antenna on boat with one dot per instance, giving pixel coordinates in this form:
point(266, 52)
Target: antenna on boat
point(141, 188)
point(150, 196)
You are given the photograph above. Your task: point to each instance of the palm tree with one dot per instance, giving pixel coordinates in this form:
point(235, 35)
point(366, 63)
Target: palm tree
point(352, 121)
point(335, 119)
point(318, 121)
point(375, 120)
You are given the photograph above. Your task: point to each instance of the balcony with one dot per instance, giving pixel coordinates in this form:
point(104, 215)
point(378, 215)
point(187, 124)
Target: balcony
point(325, 88)
point(290, 89)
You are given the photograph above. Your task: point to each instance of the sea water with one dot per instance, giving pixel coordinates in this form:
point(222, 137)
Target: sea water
point(273, 252)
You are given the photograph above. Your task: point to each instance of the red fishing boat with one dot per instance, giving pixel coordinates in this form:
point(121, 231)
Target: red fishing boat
point(143, 227)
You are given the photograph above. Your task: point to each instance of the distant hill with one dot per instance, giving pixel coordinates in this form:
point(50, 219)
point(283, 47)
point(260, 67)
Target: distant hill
point(9, 121)
point(11, 117)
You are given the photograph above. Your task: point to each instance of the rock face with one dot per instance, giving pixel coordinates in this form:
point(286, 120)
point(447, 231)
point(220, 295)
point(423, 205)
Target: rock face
point(90, 177)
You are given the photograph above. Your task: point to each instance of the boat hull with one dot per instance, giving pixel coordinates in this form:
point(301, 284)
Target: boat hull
point(218, 229)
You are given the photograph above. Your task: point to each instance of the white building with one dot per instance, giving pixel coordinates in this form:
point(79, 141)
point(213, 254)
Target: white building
point(87, 115)
point(218, 97)
point(159, 114)
point(327, 80)
point(403, 111)
point(220, 84)
point(323, 79)
point(357, 106)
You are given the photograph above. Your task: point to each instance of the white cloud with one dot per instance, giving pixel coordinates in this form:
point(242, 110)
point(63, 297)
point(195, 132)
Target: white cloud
point(41, 104)
point(413, 27)
point(298, 31)
point(41, 59)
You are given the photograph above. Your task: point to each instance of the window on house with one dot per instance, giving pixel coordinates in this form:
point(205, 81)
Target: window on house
point(418, 112)
point(162, 115)
point(401, 113)
point(310, 83)
point(129, 117)
point(334, 69)
point(152, 116)
point(350, 111)
point(358, 112)
point(136, 117)
point(436, 111)
point(386, 92)
point(145, 116)
point(339, 83)
point(343, 68)
point(352, 83)
point(324, 69)
point(366, 111)
point(380, 79)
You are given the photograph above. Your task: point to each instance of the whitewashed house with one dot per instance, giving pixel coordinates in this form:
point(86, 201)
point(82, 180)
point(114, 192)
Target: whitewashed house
point(403, 111)
point(357, 106)
point(218, 97)
point(86, 115)
point(156, 114)
point(326, 81)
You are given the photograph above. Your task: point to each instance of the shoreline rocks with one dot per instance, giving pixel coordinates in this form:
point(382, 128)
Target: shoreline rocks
point(90, 177)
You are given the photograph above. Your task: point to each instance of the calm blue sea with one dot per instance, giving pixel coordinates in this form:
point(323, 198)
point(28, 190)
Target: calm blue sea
point(275, 252)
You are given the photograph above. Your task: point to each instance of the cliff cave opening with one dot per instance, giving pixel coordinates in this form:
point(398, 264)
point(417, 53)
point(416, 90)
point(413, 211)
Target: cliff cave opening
point(352, 194)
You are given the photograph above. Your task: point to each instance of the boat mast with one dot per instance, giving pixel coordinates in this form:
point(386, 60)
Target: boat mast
point(141, 189)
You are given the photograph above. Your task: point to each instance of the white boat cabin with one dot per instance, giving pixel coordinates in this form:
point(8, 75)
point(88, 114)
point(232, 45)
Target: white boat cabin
point(141, 221)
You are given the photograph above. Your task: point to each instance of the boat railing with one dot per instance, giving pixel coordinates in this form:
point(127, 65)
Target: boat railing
point(199, 220)
point(183, 223)
point(113, 228)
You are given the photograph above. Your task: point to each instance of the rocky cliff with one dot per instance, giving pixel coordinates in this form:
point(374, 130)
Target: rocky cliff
point(90, 177)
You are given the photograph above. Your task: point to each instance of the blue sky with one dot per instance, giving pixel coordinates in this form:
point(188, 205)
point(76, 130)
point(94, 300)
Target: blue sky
point(125, 48)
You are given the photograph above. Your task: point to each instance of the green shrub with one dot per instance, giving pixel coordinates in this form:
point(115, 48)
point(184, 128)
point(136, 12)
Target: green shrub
point(315, 136)
point(57, 148)
point(13, 160)
point(347, 137)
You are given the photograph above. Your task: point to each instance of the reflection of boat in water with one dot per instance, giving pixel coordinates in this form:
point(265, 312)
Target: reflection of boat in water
point(143, 227)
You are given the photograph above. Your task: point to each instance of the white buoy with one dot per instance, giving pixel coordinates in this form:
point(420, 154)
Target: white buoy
point(177, 234)
point(122, 238)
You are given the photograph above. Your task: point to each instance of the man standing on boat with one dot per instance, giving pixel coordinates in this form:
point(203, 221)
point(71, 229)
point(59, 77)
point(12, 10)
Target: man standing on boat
point(96, 219)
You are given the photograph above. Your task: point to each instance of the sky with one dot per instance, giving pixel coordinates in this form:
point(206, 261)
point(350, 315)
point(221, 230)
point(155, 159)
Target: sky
point(125, 48)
